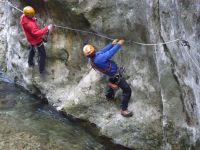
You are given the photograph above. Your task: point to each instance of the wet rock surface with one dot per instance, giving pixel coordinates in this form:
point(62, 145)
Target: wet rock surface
point(164, 78)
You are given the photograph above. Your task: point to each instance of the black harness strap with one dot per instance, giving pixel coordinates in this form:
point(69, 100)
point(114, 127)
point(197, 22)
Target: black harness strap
point(100, 69)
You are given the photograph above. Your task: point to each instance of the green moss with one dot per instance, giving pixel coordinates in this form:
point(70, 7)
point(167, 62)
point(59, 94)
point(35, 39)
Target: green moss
point(4, 67)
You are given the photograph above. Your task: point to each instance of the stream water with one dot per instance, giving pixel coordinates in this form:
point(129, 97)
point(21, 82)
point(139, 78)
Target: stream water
point(28, 124)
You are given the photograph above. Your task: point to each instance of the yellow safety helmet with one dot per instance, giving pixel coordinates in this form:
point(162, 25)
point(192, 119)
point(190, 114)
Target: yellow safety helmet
point(88, 50)
point(29, 11)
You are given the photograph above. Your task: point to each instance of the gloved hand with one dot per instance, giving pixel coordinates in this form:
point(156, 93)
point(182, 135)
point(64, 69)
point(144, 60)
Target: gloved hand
point(120, 42)
point(50, 27)
point(115, 41)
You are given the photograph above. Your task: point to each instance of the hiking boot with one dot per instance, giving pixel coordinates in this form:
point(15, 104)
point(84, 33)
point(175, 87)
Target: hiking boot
point(126, 113)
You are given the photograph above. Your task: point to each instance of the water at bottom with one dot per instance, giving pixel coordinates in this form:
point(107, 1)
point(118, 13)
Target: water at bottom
point(27, 124)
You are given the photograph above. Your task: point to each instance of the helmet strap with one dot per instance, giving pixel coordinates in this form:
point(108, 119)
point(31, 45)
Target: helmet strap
point(92, 54)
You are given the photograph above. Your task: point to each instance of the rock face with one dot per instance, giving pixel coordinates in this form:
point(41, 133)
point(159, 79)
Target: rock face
point(164, 78)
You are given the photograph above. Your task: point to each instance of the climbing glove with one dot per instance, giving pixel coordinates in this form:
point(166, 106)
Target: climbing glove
point(115, 41)
point(120, 42)
point(50, 27)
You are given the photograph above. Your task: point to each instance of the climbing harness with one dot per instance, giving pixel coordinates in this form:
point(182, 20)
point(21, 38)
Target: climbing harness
point(114, 81)
point(45, 37)
point(38, 45)
point(100, 69)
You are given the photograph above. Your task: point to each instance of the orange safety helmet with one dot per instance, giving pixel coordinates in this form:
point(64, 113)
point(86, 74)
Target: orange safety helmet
point(88, 50)
point(29, 11)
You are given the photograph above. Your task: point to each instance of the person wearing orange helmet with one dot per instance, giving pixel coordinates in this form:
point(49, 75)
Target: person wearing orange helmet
point(101, 61)
point(34, 36)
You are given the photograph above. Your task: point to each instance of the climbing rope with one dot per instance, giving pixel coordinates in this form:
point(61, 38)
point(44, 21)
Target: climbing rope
point(144, 44)
point(11, 5)
point(78, 30)
point(89, 32)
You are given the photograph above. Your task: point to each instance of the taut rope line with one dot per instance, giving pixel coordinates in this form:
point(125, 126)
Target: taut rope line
point(89, 32)
point(11, 5)
point(68, 28)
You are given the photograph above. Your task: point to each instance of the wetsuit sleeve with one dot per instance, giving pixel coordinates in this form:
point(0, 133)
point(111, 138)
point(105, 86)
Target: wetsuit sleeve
point(108, 54)
point(106, 48)
point(36, 32)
